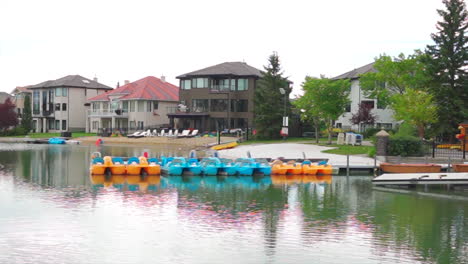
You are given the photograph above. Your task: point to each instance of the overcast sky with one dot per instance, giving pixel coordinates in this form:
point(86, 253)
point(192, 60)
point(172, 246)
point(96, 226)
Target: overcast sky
point(128, 40)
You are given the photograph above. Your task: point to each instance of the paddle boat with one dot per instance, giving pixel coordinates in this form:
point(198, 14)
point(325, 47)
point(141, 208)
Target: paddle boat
point(324, 168)
point(141, 165)
point(460, 167)
point(210, 166)
point(245, 166)
point(174, 166)
point(228, 167)
point(56, 141)
point(261, 166)
point(194, 167)
point(281, 168)
point(106, 165)
point(308, 168)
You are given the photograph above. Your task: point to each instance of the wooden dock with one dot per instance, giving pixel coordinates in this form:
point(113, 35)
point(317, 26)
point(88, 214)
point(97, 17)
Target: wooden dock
point(421, 179)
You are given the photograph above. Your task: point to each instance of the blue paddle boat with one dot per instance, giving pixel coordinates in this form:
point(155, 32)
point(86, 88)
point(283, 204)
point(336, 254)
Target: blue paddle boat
point(228, 167)
point(245, 167)
point(210, 166)
point(56, 141)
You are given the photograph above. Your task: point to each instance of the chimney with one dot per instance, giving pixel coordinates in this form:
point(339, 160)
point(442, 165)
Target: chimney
point(126, 82)
point(163, 78)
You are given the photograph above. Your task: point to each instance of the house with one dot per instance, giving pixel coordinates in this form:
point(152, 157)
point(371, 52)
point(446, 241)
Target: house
point(219, 96)
point(59, 105)
point(19, 93)
point(4, 96)
point(384, 115)
point(141, 104)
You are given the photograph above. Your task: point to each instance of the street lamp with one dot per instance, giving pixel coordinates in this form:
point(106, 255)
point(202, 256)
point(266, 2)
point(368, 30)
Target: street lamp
point(284, 130)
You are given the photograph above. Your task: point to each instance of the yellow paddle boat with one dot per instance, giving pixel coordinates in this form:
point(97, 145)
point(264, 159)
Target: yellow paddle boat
point(137, 166)
point(280, 168)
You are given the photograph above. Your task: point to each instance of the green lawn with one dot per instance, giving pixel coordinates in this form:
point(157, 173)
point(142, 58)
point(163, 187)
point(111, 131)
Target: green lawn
point(271, 141)
point(49, 135)
point(348, 149)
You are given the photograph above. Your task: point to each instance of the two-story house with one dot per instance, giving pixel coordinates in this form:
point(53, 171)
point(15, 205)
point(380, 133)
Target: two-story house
point(59, 105)
point(384, 115)
point(219, 96)
point(137, 105)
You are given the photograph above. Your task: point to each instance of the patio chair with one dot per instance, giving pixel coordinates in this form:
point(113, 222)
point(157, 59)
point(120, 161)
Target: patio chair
point(184, 133)
point(194, 133)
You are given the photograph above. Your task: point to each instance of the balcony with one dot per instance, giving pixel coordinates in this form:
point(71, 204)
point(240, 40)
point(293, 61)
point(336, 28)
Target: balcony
point(108, 113)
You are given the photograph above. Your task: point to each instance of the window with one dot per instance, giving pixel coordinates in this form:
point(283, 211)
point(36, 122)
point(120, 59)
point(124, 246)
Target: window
point(338, 125)
point(114, 105)
point(380, 106)
point(58, 92)
point(132, 106)
point(44, 101)
point(384, 125)
point(348, 108)
point(36, 102)
point(95, 106)
point(200, 83)
point(51, 124)
point(51, 96)
point(200, 105)
point(233, 84)
point(242, 85)
point(64, 124)
point(57, 124)
point(132, 124)
point(186, 84)
point(95, 125)
point(368, 103)
point(218, 105)
point(220, 85)
point(140, 125)
point(241, 122)
point(64, 91)
point(141, 106)
point(239, 106)
point(64, 107)
point(105, 106)
point(125, 106)
point(155, 105)
point(149, 105)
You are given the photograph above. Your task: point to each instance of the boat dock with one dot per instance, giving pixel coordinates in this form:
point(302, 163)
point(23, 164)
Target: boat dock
point(413, 179)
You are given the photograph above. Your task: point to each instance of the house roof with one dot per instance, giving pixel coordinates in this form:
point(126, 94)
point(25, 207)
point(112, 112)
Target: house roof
point(71, 81)
point(354, 74)
point(21, 89)
point(148, 88)
point(227, 68)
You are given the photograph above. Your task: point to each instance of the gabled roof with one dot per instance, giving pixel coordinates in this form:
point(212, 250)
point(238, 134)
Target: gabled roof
point(148, 88)
point(226, 68)
point(354, 74)
point(71, 81)
point(21, 89)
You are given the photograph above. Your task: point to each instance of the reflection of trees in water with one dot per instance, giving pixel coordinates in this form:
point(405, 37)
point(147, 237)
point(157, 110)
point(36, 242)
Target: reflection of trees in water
point(436, 229)
point(236, 197)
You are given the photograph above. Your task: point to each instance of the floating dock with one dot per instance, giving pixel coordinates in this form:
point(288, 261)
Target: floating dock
point(421, 179)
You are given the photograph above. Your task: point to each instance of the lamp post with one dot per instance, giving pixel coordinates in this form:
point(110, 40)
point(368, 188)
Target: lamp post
point(284, 130)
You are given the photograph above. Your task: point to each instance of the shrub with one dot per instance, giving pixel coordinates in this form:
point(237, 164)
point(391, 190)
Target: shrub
point(406, 130)
point(405, 146)
point(370, 132)
point(372, 152)
point(17, 131)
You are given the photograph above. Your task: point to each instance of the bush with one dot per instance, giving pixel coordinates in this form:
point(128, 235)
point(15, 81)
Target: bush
point(370, 132)
point(372, 153)
point(17, 131)
point(405, 146)
point(407, 130)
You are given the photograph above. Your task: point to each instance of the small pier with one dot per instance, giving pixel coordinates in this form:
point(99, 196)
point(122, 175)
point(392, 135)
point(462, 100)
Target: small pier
point(413, 179)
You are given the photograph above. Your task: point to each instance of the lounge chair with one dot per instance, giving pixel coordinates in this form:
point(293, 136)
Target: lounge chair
point(163, 133)
point(194, 133)
point(135, 134)
point(169, 134)
point(176, 132)
point(155, 133)
point(148, 133)
point(185, 133)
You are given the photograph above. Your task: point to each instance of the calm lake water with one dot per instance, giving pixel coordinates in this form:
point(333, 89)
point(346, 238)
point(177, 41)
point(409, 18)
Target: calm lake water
point(52, 211)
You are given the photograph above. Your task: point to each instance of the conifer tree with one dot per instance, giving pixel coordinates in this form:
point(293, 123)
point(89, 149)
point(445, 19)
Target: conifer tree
point(26, 119)
point(447, 64)
point(269, 102)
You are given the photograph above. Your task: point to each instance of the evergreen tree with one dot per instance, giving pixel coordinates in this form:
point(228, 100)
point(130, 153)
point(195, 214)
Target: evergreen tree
point(269, 102)
point(26, 119)
point(447, 64)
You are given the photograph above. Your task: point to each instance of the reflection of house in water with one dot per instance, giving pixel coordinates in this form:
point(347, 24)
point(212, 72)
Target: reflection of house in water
point(56, 166)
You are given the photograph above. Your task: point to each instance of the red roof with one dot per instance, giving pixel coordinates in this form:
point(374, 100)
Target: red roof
point(148, 88)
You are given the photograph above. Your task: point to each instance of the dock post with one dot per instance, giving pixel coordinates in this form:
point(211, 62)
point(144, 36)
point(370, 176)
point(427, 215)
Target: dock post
point(347, 165)
point(449, 164)
point(375, 165)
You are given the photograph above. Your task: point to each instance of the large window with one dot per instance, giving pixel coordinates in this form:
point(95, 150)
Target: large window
point(141, 106)
point(140, 124)
point(51, 124)
point(200, 105)
point(200, 83)
point(155, 105)
point(64, 124)
point(186, 84)
point(220, 85)
point(242, 84)
point(132, 106)
point(51, 96)
point(218, 105)
point(36, 102)
point(57, 124)
point(125, 106)
point(64, 107)
point(105, 106)
point(95, 106)
point(149, 106)
point(239, 106)
point(58, 92)
point(367, 104)
point(64, 91)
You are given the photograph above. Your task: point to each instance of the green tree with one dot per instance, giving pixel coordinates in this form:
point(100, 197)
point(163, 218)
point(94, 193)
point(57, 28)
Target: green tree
point(448, 64)
point(326, 99)
point(269, 100)
point(309, 113)
point(394, 76)
point(415, 107)
point(26, 119)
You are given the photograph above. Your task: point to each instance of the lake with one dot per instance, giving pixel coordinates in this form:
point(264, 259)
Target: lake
point(52, 211)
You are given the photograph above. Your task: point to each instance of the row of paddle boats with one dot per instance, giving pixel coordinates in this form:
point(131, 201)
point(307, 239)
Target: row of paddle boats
point(206, 166)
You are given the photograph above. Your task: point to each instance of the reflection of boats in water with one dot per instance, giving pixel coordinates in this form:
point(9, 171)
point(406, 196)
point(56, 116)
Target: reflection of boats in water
point(300, 179)
point(129, 182)
point(195, 182)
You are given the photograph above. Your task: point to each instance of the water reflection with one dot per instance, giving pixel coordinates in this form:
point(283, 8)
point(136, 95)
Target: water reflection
point(46, 191)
